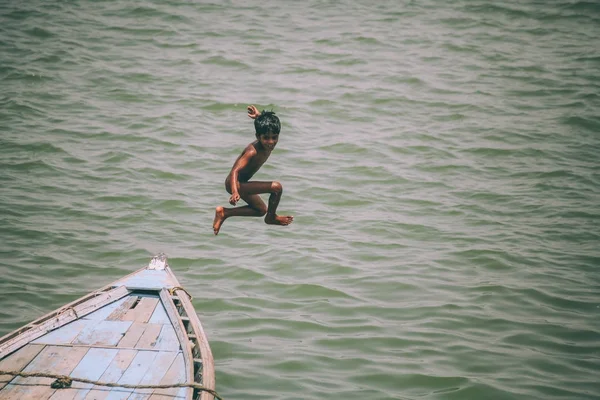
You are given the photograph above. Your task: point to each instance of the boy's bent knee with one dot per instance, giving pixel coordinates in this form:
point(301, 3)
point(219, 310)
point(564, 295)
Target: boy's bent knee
point(276, 187)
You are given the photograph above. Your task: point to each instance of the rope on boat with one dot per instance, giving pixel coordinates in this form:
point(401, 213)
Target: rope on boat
point(70, 308)
point(63, 381)
point(173, 289)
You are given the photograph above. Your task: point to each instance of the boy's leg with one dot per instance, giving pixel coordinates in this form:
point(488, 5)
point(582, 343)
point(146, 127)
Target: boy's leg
point(275, 188)
point(249, 192)
point(255, 208)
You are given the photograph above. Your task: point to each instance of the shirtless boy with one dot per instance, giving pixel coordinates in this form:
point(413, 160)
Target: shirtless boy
point(238, 183)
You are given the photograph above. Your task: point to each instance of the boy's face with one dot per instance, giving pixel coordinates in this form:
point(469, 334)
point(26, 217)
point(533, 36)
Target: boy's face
point(268, 140)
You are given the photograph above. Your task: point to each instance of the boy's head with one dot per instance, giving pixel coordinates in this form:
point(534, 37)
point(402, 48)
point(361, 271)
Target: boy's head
point(267, 122)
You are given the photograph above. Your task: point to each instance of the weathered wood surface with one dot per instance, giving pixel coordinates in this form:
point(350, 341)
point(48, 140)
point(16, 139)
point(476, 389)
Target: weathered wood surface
point(208, 372)
point(58, 318)
point(92, 366)
point(52, 360)
point(167, 339)
point(103, 364)
point(133, 334)
point(103, 313)
point(18, 360)
point(102, 333)
point(149, 279)
point(180, 331)
point(112, 335)
point(149, 337)
point(159, 316)
point(119, 312)
point(175, 374)
point(113, 373)
point(142, 362)
point(143, 310)
point(161, 365)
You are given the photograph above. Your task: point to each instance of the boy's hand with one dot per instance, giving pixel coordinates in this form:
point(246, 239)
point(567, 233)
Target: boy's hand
point(234, 199)
point(253, 112)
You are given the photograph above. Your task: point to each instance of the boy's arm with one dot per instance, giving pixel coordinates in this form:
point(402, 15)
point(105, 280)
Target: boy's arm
point(240, 164)
point(253, 112)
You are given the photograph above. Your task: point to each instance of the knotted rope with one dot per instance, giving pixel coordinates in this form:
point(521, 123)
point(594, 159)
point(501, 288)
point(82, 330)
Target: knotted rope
point(173, 289)
point(63, 381)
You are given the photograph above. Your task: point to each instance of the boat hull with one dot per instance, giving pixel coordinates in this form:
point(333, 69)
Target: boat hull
point(141, 330)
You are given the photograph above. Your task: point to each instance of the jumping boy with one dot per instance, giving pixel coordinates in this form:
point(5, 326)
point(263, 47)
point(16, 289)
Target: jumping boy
point(238, 183)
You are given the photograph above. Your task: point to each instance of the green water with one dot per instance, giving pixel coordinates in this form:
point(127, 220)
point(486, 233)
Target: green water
point(441, 160)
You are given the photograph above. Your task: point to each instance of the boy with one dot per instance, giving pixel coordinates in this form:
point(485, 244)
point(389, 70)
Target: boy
point(238, 183)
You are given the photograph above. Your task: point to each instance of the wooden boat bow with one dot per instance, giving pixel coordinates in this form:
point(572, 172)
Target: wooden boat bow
point(140, 330)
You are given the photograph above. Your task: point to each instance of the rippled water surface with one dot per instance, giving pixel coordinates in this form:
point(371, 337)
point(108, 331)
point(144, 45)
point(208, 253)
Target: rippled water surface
point(441, 160)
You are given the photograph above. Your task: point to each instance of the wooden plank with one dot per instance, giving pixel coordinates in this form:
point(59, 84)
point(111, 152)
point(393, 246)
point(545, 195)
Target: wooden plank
point(149, 280)
point(177, 324)
point(180, 395)
point(103, 333)
point(58, 318)
point(117, 314)
point(36, 331)
point(64, 334)
point(159, 316)
point(167, 340)
point(92, 366)
point(175, 374)
point(142, 311)
point(64, 394)
point(103, 313)
point(142, 362)
point(133, 334)
point(18, 360)
point(208, 368)
point(100, 301)
point(149, 337)
point(161, 365)
point(113, 373)
point(51, 360)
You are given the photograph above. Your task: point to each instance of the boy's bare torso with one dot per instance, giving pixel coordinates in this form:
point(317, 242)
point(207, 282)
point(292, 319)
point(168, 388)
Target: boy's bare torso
point(258, 158)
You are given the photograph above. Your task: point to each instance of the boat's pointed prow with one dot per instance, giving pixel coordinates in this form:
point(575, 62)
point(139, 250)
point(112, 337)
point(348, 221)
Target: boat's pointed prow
point(140, 331)
point(159, 261)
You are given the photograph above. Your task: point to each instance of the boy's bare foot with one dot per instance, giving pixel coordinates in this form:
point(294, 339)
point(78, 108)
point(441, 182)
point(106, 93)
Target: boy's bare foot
point(278, 219)
point(219, 218)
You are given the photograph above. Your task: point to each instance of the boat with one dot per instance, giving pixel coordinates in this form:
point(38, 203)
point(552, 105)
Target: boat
point(136, 338)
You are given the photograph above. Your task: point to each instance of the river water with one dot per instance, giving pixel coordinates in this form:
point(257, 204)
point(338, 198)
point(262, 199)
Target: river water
point(441, 160)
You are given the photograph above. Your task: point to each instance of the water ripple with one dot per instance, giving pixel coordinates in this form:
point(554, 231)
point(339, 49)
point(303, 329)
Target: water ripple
point(440, 161)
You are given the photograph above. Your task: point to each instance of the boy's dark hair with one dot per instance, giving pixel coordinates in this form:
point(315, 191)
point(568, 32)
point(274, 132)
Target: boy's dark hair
point(267, 122)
